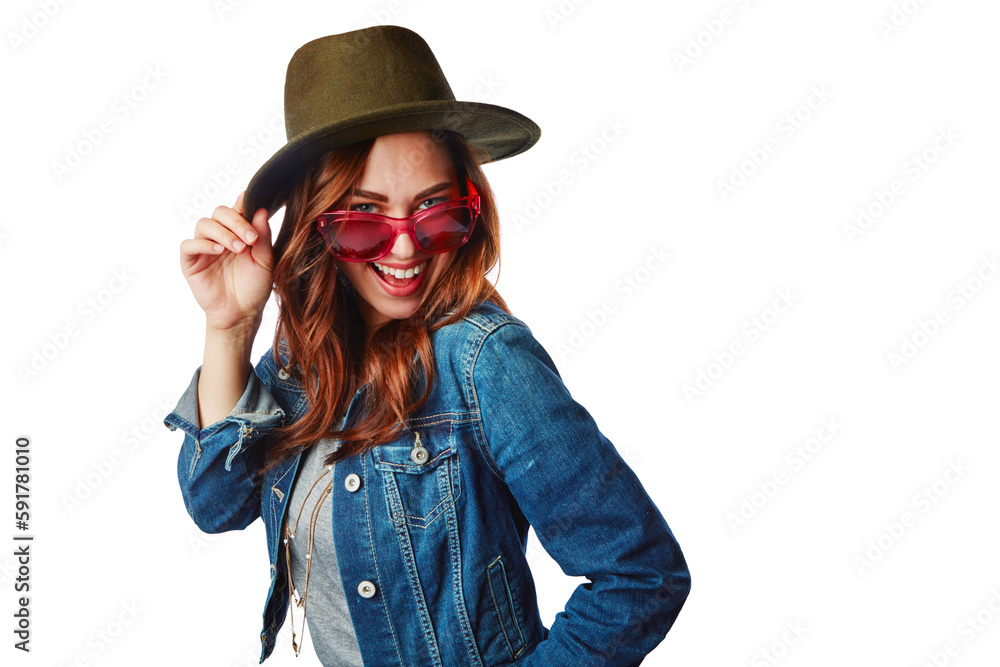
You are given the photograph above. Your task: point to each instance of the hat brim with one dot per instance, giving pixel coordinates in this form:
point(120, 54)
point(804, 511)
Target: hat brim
point(498, 131)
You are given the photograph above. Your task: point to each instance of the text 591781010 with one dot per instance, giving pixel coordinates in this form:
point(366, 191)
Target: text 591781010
point(22, 542)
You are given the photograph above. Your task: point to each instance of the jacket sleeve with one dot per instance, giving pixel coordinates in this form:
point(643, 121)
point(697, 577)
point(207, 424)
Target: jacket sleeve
point(215, 463)
point(587, 506)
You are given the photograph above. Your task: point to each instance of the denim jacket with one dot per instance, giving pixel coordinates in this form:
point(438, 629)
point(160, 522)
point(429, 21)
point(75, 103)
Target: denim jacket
point(430, 529)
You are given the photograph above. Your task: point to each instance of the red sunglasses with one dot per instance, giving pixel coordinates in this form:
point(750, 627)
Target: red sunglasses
point(366, 237)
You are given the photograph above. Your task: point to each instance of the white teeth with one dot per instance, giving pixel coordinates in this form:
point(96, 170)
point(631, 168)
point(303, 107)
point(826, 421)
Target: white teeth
point(400, 273)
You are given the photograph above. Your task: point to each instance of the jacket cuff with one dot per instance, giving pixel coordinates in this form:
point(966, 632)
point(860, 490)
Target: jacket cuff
point(256, 404)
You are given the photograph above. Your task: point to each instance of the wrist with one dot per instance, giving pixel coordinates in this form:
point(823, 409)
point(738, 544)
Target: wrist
point(238, 337)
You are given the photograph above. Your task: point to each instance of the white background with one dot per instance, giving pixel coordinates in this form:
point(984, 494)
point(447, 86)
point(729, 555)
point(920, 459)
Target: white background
point(663, 134)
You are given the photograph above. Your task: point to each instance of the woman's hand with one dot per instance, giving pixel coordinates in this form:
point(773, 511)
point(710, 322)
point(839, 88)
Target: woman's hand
point(229, 266)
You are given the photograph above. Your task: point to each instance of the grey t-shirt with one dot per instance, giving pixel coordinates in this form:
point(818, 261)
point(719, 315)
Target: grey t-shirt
point(326, 613)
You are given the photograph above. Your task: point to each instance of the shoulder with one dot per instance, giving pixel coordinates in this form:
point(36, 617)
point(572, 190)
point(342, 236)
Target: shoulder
point(467, 336)
point(489, 338)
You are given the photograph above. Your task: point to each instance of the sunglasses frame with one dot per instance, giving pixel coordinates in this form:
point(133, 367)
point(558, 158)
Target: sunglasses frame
point(470, 201)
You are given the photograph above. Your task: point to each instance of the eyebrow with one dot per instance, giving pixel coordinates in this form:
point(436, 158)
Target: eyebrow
point(424, 194)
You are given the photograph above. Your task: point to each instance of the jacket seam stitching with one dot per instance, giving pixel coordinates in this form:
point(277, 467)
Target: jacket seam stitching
point(458, 588)
point(496, 605)
point(413, 579)
point(378, 577)
point(481, 441)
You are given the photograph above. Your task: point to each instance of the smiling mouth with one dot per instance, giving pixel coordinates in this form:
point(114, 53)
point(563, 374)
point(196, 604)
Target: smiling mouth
point(389, 276)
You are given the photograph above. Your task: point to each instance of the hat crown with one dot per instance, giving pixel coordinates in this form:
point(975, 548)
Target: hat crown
point(341, 77)
point(359, 85)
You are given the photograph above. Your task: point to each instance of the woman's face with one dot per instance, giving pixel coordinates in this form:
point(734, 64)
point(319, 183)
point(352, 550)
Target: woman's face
point(405, 173)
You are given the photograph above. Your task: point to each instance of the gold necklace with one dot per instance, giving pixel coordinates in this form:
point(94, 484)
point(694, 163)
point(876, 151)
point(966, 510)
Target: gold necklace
point(301, 602)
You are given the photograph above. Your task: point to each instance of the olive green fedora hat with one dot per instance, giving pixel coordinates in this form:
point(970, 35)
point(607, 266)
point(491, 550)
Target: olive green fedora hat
point(362, 84)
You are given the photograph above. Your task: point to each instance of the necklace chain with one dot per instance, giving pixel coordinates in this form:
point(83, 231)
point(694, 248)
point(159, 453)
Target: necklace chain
point(301, 601)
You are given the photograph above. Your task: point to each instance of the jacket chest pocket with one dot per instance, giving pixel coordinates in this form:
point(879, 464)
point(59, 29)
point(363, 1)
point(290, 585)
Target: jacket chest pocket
point(420, 474)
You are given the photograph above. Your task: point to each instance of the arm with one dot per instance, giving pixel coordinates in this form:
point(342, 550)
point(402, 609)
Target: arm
point(215, 464)
point(588, 508)
point(223, 371)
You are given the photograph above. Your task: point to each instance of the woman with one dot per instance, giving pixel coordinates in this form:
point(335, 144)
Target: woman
point(404, 430)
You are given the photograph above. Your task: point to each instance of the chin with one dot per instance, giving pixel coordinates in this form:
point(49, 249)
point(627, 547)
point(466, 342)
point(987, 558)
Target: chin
point(396, 310)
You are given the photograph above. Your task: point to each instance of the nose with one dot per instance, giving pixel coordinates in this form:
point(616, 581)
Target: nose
point(403, 247)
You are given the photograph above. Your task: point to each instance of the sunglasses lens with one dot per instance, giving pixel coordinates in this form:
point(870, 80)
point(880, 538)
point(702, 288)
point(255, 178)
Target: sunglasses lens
point(365, 239)
point(357, 239)
point(444, 230)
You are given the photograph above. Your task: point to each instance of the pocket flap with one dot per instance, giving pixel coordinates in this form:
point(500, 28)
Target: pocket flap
point(418, 450)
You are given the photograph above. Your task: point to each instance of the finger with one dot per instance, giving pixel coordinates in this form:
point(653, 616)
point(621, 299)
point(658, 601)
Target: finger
point(193, 249)
point(262, 252)
point(220, 233)
point(238, 206)
point(235, 221)
point(261, 226)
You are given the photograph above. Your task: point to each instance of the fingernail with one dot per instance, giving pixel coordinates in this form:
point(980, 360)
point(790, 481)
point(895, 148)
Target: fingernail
point(250, 236)
point(238, 245)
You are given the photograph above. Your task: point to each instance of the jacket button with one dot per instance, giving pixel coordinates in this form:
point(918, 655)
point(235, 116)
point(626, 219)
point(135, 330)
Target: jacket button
point(352, 482)
point(418, 454)
point(283, 374)
point(366, 589)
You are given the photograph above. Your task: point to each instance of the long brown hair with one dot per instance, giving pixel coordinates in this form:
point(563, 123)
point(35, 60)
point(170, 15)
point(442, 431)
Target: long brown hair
point(320, 328)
